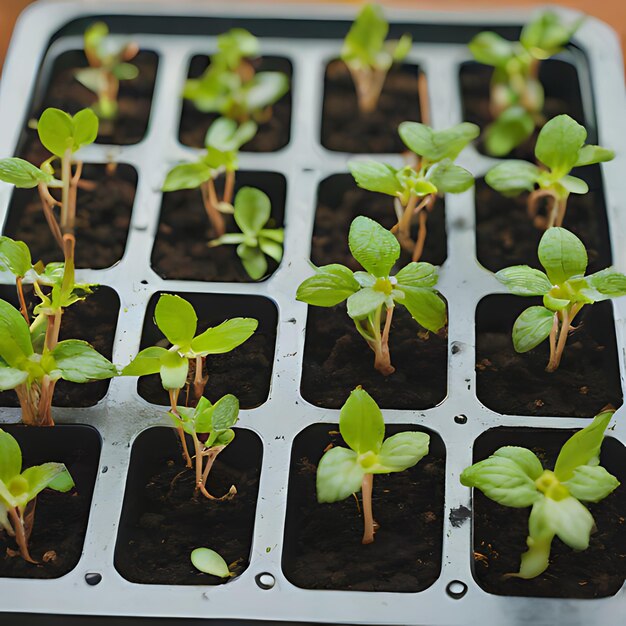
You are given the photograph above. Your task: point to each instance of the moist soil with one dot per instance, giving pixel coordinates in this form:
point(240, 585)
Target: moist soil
point(60, 518)
point(517, 384)
point(500, 532)
point(562, 95)
point(340, 201)
point(505, 234)
point(180, 249)
point(323, 548)
point(337, 359)
point(93, 320)
point(102, 219)
point(163, 520)
point(346, 129)
point(272, 134)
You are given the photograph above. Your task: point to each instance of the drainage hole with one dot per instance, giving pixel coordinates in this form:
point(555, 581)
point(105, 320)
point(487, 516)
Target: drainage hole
point(456, 589)
point(460, 419)
point(93, 578)
point(265, 580)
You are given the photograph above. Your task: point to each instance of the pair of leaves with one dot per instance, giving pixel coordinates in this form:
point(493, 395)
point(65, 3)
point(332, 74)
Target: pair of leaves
point(235, 46)
point(341, 470)
point(216, 419)
point(59, 132)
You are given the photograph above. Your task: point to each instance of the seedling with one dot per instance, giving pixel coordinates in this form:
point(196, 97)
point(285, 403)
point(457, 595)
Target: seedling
point(223, 140)
point(374, 292)
point(517, 96)
point(369, 57)
point(108, 64)
point(210, 562)
point(560, 147)
point(20, 488)
point(415, 189)
point(344, 471)
point(252, 214)
point(565, 290)
point(515, 477)
point(178, 321)
point(230, 86)
point(210, 428)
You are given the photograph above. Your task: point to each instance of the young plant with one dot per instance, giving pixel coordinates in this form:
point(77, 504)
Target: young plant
point(565, 290)
point(369, 57)
point(514, 477)
point(374, 293)
point(517, 96)
point(19, 489)
point(252, 213)
point(208, 561)
point(560, 147)
point(223, 140)
point(108, 64)
point(344, 471)
point(415, 189)
point(178, 321)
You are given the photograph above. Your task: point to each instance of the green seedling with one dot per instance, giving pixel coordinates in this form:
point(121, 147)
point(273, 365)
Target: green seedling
point(108, 64)
point(369, 57)
point(344, 471)
point(560, 147)
point(374, 292)
point(230, 86)
point(19, 490)
point(517, 96)
point(210, 562)
point(178, 321)
point(223, 141)
point(252, 214)
point(210, 427)
point(515, 477)
point(565, 290)
point(415, 188)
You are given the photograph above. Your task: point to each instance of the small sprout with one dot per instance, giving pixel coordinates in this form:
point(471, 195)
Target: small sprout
point(517, 96)
point(514, 477)
point(560, 147)
point(369, 57)
point(565, 290)
point(210, 562)
point(344, 471)
point(18, 488)
point(108, 64)
point(374, 292)
point(252, 213)
point(415, 189)
point(223, 141)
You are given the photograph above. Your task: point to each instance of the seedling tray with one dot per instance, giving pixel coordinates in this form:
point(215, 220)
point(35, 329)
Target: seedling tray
point(309, 37)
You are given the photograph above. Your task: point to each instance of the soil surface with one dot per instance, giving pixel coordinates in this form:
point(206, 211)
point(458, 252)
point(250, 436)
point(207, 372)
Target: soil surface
point(517, 384)
point(180, 248)
point(340, 201)
point(346, 129)
point(93, 320)
point(60, 518)
point(500, 532)
point(163, 520)
point(272, 135)
point(323, 548)
point(102, 219)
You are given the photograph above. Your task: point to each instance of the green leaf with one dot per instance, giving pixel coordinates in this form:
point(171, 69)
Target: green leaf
point(450, 178)
point(59, 131)
point(425, 306)
point(606, 284)
point(209, 562)
point(330, 285)
point(435, 146)
point(399, 49)
point(85, 128)
point(361, 423)
point(225, 413)
point(78, 362)
point(62, 483)
point(531, 328)
point(253, 261)
point(226, 135)
point(513, 177)
point(574, 185)
point(491, 49)
point(176, 319)
point(265, 89)
point(568, 519)
point(375, 176)
point(41, 476)
point(11, 377)
point(252, 210)
point(539, 540)
point(10, 456)
point(15, 343)
point(522, 280)
point(525, 458)
point(271, 248)
point(339, 475)
point(588, 155)
point(147, 362)
point(187, 176)
point(546, 35)
point(15, 257)
point(373, 246)
point(235, 45)
point(562, 255)
point(558, 144)
point(225, 337)
point(173, 372)
point(364, 42)
point(125, 71)
point(401, 451)
point(22, 174)
point(418, 275)
point(591, 483)
point(364, 302)
point(508, 131)
point(93, 78)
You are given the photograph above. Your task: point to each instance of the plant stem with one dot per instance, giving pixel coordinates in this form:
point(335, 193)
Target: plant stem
point(561, 208)
point(382, 359)
point(66, 176)
point(47, 204)
point(552, 210)
point(199, 381)
point(422, 91)
point(368, 83)
point(211, 455)
point(20, 535)
point(229, 187)
point(403, 227)
point(565, 328)
point(209, 199)
point(181, 433)
point(20, 295)
point(367, 485)
point(553, 335)
point(421, 235)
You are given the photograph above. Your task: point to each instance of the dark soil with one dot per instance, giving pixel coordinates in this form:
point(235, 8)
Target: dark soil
point(346, 129)
point(562, 95)
point(93, 320)
point(337, 359)
point(163, 520)
point(180, 248)
point(323, 548)
point(506, 236)
point(102, 219)
point(245, 372)
point(340, 201)
point(517, 384)
point(500, 532)
point(60, 518)
point(271, 136)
